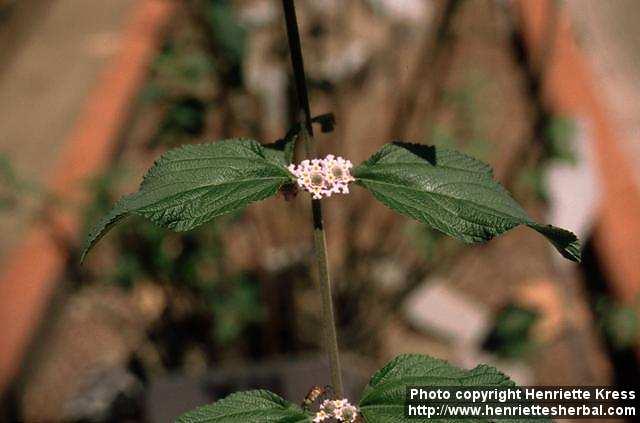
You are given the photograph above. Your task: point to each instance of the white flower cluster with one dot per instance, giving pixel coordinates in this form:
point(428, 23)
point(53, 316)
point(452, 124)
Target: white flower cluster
point(340, 410)
point(323, 177)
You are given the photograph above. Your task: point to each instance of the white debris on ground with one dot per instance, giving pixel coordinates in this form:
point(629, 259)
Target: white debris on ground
point(258, 14)
point(431, 307)
point(347, 61)
point(574, 191)
point(438, 308)
point(388, 275)
point(403, 10)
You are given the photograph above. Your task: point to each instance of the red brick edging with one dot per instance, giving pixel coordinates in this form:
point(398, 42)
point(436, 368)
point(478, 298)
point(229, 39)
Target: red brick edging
point(31, 270)
point(571, 88)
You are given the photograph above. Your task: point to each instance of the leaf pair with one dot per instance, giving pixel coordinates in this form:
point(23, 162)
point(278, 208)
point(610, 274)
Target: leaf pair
point(382, 401)
point(445, 189)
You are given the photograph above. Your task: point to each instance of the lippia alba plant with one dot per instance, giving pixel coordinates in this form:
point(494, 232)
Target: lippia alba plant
point(447, 190)
point(442, 188)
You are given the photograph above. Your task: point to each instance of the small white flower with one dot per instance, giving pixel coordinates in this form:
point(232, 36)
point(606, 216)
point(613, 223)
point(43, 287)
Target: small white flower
point(311, 176)
point(338, 172)
point(328, 406)
point(321, 416)
point(348, 413)
point(323, 177)
point(339, 403)
point(340, 409)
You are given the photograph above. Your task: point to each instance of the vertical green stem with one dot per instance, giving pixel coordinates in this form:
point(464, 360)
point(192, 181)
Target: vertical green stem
point(320, 243)
point(329, 323)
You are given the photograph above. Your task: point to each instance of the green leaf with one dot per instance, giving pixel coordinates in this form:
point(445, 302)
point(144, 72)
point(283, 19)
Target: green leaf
point(383, 399)
point(191, 185)
point(451, 192)
point(247, 407)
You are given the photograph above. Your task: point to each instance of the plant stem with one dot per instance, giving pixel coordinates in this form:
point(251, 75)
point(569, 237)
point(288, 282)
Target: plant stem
point(320, 243)
point(329, 323)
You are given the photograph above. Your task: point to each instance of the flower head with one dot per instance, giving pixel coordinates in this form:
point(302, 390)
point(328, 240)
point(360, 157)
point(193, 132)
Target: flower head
point(328, 406)
point(338, 172)
point(339, 409)
point(348, 413)
point(323, 177)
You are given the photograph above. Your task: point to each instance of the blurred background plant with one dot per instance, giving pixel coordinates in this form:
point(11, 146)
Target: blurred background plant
point(206, 305)
point(619, 322)
point(14, 188)
point(511, 335)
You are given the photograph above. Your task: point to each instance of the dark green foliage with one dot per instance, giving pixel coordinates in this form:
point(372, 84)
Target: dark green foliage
point(451, 192)
point(228, 36)
point(247, 407)
point(184, 119)
point(619, 322)
point(559, 133)
point(511, 334)
point(383, 399)
point(192, 267)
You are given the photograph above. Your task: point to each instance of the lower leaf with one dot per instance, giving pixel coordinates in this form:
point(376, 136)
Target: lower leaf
point(384, 398)
point(258, 406)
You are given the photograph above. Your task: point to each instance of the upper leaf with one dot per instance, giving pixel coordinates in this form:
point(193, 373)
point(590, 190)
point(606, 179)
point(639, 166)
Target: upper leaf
point(384, 398)
point(191, 185)
point(451, 192)
point(247, 407)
